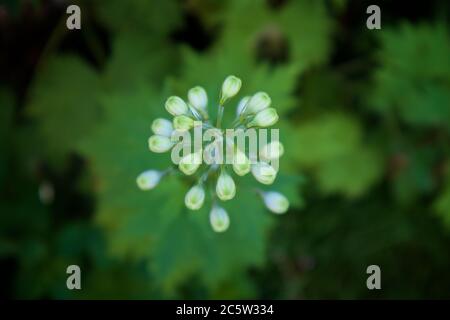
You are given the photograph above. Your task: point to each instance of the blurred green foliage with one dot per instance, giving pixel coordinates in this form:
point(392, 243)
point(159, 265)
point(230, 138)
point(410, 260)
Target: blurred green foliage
point(365, 168)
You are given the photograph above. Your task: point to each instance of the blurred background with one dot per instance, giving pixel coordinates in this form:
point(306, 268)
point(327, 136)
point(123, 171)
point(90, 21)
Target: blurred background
point(364, 117)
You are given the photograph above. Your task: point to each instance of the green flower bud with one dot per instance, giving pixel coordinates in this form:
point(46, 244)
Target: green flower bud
point(198, 98)
point(159, 144)
point(258, 102)
point(219, 219)
point(264, 118)
point(275, 202)
point(148, 179)
point(230, 88)
point(183, 123)
point(176, 106)
point(225, 187)
point(190, 163)
point(242, 104)
point(195, 197)
point(264, 172)
point(162, 127)
point(273, 150)
point(241, 163)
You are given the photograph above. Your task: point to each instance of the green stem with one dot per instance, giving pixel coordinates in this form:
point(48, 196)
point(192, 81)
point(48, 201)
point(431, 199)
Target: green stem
point(241, 121)
point(219, 116)
point(204, 115)
point(205, 175)
point(236, 122)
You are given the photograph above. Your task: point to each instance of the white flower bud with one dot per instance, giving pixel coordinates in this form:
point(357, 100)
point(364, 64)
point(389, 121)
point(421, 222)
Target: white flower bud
point(183, 123)
point(148, 179)
point(219, 219)
point(225, 187)
point(241, 163)
point(190, 163)
point(242, 104)
point(176, 106)
point(195, 197)
point(275, 202)
point(198, 98)
point(230, 88)
point(264, 118)
point(258, 102)
point(162, 127)
point(271, 151)
point(264, 172)
point(159, 144)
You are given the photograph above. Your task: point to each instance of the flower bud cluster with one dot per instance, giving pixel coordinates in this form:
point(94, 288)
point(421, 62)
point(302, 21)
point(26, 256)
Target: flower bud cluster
point(252, 112)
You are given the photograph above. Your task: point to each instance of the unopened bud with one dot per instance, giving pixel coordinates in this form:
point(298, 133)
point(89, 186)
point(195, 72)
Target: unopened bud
point(258, 102)
point(225, 187)
point(190, 163)
point(230, 88)
point(271, 151)
point(148, 179)
point(219, 219)
point(264, 118)
point(241, 163)
point(264, 173)
point(183, 123)
point(159, 144)
point(195, 197)
point(275, 202)
point(241, 105)
point(162, 127)
point(176, 106)
point(198, 98)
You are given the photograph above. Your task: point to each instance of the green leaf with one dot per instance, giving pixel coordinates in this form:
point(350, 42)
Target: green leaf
point(330, 147)
point(415, 177)
point(442, 205)
point(351, 174)
point(251, 26)
point(63, 100)
point(64, 97)
point(138, 58)
point(155, 225)
point(156, 17)
point(328, 136)
point(413, 80)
